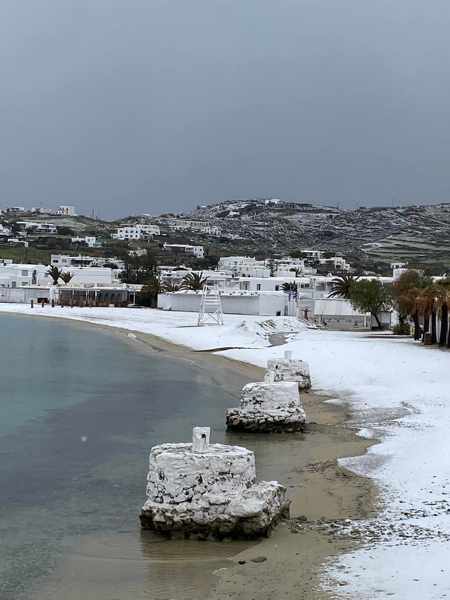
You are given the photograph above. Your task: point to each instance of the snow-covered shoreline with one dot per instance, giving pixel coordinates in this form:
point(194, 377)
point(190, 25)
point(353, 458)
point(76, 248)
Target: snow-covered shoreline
point(399, 391)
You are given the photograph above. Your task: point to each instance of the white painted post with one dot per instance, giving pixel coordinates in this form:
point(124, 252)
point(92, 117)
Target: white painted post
point(269, 377)
point(288, 354)
point(200, 439)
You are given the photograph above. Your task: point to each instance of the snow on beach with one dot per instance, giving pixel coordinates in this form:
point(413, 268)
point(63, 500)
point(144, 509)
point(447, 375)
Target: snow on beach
point(400, 394)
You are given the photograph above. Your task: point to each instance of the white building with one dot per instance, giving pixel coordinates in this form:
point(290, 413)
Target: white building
point(67, 263)
point(137, 231)
point(221, 279)
point(94, 276)
point(398, 269)
point(313, 254)
point(14, 210)
point(26, 275)
point(66, 211)
point(4, 231)
point(241, 303)
point(38, 227)
point(244, 266)
point(23, 275)
point(193, 225)
point(197, 251)
point(336, 263)
point(88, 240)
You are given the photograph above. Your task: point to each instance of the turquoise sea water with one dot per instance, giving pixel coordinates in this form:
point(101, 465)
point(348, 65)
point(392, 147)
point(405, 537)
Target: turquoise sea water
point(79, 410)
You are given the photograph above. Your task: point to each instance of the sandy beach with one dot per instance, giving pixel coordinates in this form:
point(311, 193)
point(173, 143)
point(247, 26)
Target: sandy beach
point(286, 565)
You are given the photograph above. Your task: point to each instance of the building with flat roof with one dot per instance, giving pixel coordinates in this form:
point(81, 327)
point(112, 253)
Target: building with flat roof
point(197, 251)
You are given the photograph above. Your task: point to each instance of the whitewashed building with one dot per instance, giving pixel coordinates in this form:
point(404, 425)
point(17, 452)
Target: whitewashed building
point(26, 275)
point(221, 279)
point(193, 225)
point(197, 251)
point(4, 231)
point(66, 211)
point(89, 240)
point(68, 262)
point(38, 227)
point(233, 302)
point(244, 266)
point(23, 275)
point(138, 231)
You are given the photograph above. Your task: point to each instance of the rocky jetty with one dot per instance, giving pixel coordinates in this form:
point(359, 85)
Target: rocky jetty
point(268, 407)
point(209, 490)
point(289, 369)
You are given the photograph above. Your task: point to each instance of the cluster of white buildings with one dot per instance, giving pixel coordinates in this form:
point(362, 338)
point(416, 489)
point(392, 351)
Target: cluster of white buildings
point(37, 227)
point(248, 266)
point(294, 289)
point(193, 225)
point(62, 211)
point(94, 279)
point(246, 286)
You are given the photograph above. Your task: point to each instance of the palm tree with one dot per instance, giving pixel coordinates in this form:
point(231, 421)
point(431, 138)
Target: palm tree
point(194, 281)
point(407, 292)
point(427, 303)
point(54, 273)
point(66, 276)
point(443, 299)
point(148, 296)
point(340, 286)
point(169, 286)
point(443, 333)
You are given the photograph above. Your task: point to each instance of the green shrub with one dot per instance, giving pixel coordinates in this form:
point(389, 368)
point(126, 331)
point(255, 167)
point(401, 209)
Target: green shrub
point(402, 329)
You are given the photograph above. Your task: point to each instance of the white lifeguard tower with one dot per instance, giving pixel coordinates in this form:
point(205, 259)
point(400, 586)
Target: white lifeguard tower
point(210, 306)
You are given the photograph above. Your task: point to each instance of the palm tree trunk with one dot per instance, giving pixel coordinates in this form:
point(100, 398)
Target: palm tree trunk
point(426, 325)
point(377, 320)
point(416, 326)
point(443, 334)
point(433, 326)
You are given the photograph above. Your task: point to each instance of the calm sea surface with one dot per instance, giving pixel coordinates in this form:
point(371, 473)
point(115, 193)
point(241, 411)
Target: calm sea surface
point(79, 410)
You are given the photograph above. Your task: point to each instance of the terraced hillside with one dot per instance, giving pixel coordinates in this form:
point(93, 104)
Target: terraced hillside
point(384, 234)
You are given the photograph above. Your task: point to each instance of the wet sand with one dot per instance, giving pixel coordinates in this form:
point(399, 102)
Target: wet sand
point(318, 488)
point(134, 565)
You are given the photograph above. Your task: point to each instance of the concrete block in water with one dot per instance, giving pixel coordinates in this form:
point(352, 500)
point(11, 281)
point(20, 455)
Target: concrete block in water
point(289, 369)
point(211, 493)
point(267, 407)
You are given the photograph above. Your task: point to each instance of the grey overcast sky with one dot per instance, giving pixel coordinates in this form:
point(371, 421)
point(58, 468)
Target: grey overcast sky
point(127, 106)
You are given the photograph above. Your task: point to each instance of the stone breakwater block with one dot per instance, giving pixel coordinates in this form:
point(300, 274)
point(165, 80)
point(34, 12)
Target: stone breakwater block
point(268, 407)
point(288, 369)
point(210, 494)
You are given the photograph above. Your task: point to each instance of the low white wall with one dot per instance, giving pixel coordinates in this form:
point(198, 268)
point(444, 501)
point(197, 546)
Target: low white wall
point(23, 295)
point(258, 304)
